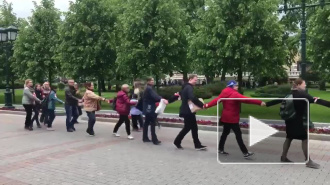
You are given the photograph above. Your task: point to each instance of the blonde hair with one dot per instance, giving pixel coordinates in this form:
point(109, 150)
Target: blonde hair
point(124, 86)
point(27, 82)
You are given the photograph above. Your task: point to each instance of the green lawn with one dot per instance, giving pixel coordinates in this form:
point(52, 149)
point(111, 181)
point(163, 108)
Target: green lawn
point(318, 113)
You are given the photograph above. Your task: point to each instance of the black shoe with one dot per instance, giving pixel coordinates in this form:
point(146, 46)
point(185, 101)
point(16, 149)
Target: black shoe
point(223, 152)
point(157, 143)
point(74, 129)
point(178, 146)
point(39, 126)
point(248, 155)
point(146, 140)
point(30, 128)
point(201, 148)
point(285, 160)
point(26, 128)
point(70, 130)
point(90, 132)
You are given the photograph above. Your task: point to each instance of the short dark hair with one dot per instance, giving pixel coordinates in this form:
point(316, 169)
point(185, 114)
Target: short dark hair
point(134, 96)
point(190, 77)
point(149, 79)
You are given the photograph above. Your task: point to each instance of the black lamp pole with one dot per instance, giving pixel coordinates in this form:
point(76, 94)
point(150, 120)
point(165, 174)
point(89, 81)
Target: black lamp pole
point(6, 36)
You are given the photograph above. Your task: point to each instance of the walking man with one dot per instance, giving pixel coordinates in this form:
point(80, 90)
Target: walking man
point(150, 97)
point(71, 103)
point(190, 122)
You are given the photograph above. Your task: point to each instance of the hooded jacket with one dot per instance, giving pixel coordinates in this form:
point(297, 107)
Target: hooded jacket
point(231, 108)
point(123, 103)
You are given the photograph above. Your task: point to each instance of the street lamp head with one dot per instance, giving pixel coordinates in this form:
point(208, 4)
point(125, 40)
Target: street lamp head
point(3, 35)
point(12, 33)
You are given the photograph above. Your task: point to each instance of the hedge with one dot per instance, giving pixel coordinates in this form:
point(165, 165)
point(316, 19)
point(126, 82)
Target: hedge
point(277, 91)
point(199, 92)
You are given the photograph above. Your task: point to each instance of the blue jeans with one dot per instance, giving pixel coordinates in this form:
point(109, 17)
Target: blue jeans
point(71, 115)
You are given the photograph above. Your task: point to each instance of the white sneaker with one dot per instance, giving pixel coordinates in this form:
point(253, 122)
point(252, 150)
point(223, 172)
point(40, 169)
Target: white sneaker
point(116, 134)
point(130, 137)
point(50, 129)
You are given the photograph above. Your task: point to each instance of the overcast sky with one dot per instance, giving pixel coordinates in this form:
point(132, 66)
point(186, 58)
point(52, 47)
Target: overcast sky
point(23, 8)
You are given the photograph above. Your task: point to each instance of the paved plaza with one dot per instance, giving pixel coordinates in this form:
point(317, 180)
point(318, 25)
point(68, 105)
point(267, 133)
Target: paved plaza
point(56, 157)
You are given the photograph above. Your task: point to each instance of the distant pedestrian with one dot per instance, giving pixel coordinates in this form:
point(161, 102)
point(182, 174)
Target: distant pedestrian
point(44, 108)
point(150, 98)
point(136, 114)
point(123, 108)
point(52, 99)
point(190, 122)
point(91, 104)
point(230, 115)
point(37, 107)
point(28, 100)
point(71, 102)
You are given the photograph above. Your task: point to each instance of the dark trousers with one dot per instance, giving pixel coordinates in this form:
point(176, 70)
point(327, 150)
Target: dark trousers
point(79, 112)
point(136, 119)
point(190, 123)
point(122, 119)
point(71, 115)
point(150, 119)
point(226, 131)
point(91, 120)
point(36, 110)
point(51, 117)
point(44, 115)
point(28, 118)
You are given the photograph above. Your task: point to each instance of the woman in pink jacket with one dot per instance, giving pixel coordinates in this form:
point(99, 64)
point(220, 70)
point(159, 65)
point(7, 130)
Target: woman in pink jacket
point(123, 106)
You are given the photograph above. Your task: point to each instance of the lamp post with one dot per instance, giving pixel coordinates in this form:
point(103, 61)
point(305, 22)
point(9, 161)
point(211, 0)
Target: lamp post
point(8, 34)
point(303, 7)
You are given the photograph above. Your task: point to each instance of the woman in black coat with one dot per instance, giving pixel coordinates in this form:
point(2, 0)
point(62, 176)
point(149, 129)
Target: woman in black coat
point(295, 128)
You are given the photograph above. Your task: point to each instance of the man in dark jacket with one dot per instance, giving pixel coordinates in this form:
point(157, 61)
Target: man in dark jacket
point(190, 122)
point(71, 106)
point(150, 97)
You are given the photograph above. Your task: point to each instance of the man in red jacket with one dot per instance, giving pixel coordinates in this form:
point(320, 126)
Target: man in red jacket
point(230, 115)
point(123, 106)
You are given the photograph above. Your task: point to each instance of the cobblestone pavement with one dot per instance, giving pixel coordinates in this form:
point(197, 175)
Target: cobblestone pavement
point(56, 157)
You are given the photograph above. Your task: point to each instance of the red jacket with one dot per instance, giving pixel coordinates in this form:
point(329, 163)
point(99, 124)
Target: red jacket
point(231, 108)
point(123, 103)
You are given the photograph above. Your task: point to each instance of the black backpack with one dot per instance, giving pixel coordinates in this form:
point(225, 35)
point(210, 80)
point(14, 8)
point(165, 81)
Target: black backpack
point(287, 110)
point(114, 103)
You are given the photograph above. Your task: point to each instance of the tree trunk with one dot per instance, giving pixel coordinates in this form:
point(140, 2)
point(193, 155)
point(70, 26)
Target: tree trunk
point(99, 86)
point(240, 79)
point(185, 77)
point(117, 83)
point(223, 75)
point(103, 85)
point(157, 82)
point(109, 85)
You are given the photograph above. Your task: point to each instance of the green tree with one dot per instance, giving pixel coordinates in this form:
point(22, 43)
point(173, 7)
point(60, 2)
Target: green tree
point(153, 36)
point(36, 45)
point(88, 38)
point(242, 36)
point(319, 42)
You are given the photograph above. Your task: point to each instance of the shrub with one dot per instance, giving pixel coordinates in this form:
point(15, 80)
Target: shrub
point(202, 92)
point(60, 86)
point(167, 92)
point(215, 88)
point(273, 91)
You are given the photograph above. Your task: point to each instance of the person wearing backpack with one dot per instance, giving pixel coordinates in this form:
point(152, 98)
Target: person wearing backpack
point(230, 115)
point(91, 104)
point(123, 108)
point(294, 112)
point(51, 101)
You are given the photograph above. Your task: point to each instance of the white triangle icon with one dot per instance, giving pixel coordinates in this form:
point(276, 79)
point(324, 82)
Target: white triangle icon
point(259, 131)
